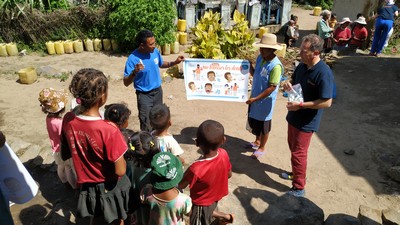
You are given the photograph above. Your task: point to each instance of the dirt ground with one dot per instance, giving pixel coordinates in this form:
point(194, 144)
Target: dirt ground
point(364, 117)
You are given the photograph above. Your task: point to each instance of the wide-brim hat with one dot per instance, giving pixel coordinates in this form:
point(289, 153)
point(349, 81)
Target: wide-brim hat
point(361, 20)
point(166, 171)
point(53, 101)
point(345, 20)
point(268, 41)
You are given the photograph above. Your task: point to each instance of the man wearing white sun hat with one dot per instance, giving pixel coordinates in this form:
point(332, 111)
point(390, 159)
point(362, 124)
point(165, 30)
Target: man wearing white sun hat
point(266, 78)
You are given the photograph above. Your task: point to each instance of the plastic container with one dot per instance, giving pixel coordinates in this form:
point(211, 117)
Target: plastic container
point(12, 49)
point(59, 46)
point(317, 11)
point(281, 53)
point(78, 46)
point(89, 45)
point(27, 75)
point(3, 50)
point(97, 46)
point(166, 49)
point(262, 31)
point(183, 38)
point(181, 25)
point(114, 45)
point(50, 48)
point(107, 44)
point(68, 47)
point(175, 47)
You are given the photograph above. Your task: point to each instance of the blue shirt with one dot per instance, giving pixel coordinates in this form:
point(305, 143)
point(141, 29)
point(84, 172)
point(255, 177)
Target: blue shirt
point(387, 12)
point(149, 78)
point(316, 83)
point(262, 109)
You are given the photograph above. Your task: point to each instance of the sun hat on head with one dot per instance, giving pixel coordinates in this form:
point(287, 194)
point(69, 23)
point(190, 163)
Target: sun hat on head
point(268, 41)
point(345, 20)
point(360, 20)
point(53, 101)
point(166, 171)
point(390, 2)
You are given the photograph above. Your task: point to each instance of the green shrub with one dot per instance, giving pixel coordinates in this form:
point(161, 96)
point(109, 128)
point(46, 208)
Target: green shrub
point(128, 17)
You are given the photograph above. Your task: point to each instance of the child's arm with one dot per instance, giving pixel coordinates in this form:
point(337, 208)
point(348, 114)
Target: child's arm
point(229, 174)
point(120, 166)
point(181, 159)
point(187, 176)
point(183, 184)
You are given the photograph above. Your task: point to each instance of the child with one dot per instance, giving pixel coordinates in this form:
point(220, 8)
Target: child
point(332, 21)
point(142, 148)
point(208, 176)
point(168, 205)
point(96, 147)
point(53, 103)
point(292, 34)
point(160, 120)
point(118, 114)
point(211, 75)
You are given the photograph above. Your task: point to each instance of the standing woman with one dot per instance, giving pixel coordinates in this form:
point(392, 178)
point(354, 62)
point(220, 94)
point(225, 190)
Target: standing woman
point(383, 24)
point(324, 31)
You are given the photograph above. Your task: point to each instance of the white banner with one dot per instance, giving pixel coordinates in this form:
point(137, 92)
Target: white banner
point(221, 80)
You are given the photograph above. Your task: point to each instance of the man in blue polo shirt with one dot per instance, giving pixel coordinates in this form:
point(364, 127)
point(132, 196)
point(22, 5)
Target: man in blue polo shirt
point(316, 80)
point(142, 69)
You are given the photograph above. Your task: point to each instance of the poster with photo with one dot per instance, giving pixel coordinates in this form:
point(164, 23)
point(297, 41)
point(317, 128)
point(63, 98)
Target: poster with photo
point(221, 80)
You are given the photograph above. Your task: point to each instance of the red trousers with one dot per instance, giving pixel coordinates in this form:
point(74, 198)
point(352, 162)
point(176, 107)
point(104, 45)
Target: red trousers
point(299, 141)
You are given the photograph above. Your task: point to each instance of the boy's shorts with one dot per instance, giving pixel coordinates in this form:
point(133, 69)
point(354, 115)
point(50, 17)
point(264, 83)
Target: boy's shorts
point(259, 127)
point(202, 215)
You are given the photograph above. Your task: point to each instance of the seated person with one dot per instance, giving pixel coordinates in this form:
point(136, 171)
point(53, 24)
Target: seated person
point(359, 34)
point(292, 34)
point(342, 34)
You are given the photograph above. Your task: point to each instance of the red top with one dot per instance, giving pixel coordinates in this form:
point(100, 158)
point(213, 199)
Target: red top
point(360, 33)
point(95, 145)
point(340, 33)
point(208, 179)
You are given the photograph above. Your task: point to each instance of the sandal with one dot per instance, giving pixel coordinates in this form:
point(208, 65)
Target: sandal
point(252, 145)
point(257, 154)
point(224, 222)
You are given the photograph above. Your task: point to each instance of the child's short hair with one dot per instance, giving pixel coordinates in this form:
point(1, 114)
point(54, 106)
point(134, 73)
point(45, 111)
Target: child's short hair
point(226, 74)
point(210, 135)
point(141, 147)
point(159, 117)
point(117, 113)
point(210, 72)
point(87, 86)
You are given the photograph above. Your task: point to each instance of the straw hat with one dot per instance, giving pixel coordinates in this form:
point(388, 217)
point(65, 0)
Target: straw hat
point(345, 20)
point(53, 101)
point(166, 171)
point(360, 20)
point(268, 41)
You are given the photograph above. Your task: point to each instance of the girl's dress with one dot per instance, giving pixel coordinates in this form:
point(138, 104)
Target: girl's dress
point(95, 145)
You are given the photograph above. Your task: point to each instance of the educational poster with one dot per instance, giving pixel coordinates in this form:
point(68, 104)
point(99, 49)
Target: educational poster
point(15, 181)
point(221, 80)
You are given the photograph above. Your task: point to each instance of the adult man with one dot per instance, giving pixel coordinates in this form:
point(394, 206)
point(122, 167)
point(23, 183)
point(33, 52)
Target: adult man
point(142, 69)
point(316, 80)
point(266, 77)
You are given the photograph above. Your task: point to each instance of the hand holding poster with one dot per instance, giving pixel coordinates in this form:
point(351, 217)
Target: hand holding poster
point(210, 79)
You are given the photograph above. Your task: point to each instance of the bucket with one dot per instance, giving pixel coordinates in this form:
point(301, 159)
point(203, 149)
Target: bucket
point(281, 53)
point(107, 44)
point(182, 38)
point(175, 47)
point(59, 46)
point(97, 46)
point(12, 49)
point(50, 48)
point(181, 25)
point(166, 49)
point(317, 11)
point(68, 47)
point(89, 45)
point(3, 50)
point(114, 45)
point(27, 75)
point(262, 31)
point(78, 46)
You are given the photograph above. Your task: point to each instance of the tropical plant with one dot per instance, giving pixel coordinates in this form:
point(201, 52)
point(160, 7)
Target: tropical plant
point(212, 42)
point(128, 17)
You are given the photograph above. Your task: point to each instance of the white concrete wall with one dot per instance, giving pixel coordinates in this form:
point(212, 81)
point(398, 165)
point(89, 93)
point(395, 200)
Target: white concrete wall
point(350, 8)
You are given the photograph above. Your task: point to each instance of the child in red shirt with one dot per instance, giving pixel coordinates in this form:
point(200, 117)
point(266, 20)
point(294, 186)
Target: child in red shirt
point(208, 176)
point(97, 148)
